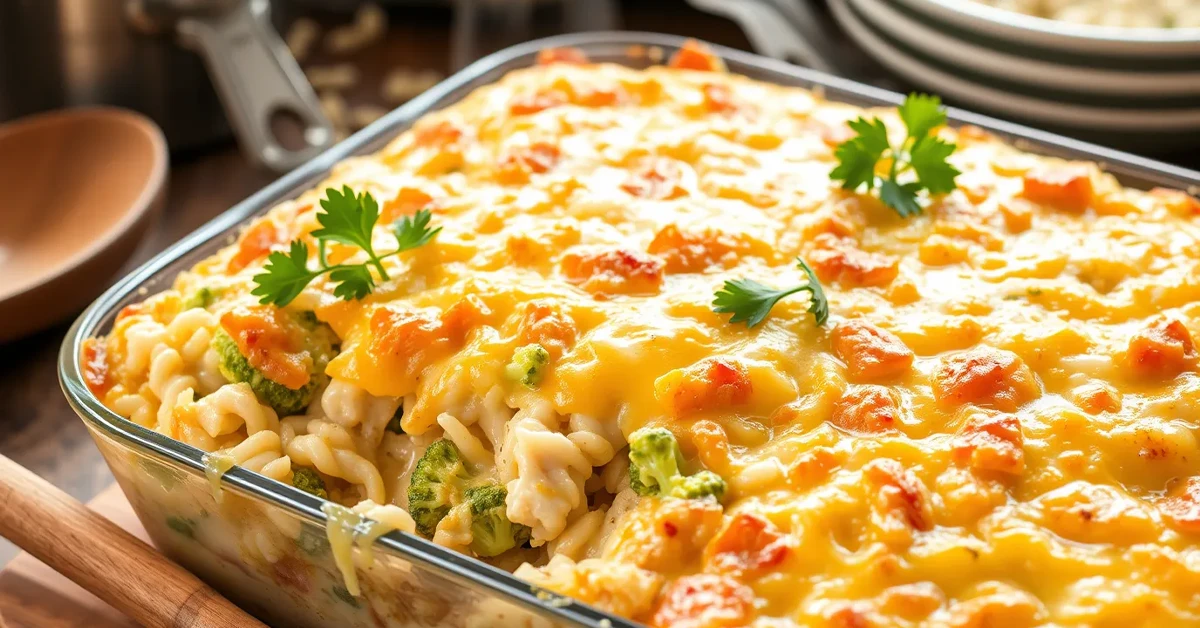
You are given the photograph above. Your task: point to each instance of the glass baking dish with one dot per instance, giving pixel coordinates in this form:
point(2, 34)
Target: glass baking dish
point(263, 544)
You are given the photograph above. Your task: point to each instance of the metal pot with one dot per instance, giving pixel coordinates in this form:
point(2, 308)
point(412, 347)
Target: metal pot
point(56, 53)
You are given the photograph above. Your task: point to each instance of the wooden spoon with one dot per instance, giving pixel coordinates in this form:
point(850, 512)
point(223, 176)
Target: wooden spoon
point(80, 186)
point(104, 559)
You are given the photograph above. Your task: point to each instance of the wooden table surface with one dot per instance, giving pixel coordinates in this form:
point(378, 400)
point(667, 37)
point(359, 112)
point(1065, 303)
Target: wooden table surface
point(40, 431)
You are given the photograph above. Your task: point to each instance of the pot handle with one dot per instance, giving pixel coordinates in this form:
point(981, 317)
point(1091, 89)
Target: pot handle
point(257, 78)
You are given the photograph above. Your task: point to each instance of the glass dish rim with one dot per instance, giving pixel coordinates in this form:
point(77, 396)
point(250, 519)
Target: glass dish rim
point(413, 548)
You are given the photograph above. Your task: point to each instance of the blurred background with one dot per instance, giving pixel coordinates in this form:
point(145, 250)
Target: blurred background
point(246, 89)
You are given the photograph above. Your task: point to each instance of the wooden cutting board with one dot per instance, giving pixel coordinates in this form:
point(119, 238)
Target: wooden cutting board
point(33, 595)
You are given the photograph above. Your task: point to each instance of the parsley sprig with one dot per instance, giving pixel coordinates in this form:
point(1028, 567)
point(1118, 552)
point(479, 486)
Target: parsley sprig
point(750, 301)
point(349, 219)
point(922, 153)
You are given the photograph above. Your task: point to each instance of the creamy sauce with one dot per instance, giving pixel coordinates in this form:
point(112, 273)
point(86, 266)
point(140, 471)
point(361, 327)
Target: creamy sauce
point(216, 465)
point(346, 529)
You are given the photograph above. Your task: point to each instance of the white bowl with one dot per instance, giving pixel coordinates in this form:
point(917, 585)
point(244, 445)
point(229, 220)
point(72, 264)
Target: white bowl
point(1051, 35)
point(1148, 128)
point(1022, 73)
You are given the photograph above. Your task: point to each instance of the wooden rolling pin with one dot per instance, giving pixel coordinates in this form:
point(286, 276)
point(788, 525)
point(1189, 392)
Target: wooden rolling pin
point(104, 559)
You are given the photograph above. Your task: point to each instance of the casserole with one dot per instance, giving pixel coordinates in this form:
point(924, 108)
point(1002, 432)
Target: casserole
point(255, 539)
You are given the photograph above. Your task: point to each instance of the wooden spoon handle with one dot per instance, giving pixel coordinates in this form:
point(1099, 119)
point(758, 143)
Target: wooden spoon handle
point(104, 559)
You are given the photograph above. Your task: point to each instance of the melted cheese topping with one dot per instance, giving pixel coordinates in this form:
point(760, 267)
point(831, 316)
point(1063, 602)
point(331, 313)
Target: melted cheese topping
point(996, 426)
point(216, 465)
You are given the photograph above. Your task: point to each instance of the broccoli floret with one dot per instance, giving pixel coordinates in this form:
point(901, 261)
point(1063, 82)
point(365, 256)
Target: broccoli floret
point(441, 482)
point(654, 460)
point(203, 297)
point(234, 366)
point(320, 342)
point(492, 533)
point(528, 365)
point(394, 424)
point(308, 481)
point(698, 486)
point(436, 485)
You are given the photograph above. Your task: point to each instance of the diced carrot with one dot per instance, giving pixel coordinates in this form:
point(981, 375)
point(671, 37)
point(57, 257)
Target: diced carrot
point(705, 601)
point(466, 314)
point(613, 271)
point(901, 491)
point(867, 409)
point(269, 344)
point(1097, 397)
point(96, 369)
point(871, 353)
point(971, 134)
point(413, 338)
point(657, 179)
point(133, 309)
point(812, 467)
point(694, 55)
point(697, 251)
point(712, 445)
point(408, 201)
point(255, 242)
point(718, 98)
point(992, 443)
point(710, 384)
point(543, 323)
point(567, 54)
point(1064, 187)
point(1018, 215)
point(526, 104)
point(1180, 203)
point(850, 616)
point(436, 134)
point(985, 376)
point(837, 259)
point(516, 165)
point(1163, 349)
point(1182, 506)
point(749, 543)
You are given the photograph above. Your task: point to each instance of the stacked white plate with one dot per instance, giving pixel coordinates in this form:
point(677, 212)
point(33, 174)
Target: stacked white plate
point(1135, 88)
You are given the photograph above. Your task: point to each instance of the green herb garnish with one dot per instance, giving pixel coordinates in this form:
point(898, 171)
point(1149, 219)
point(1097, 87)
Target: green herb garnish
point(750, 301)
point(348, 219)
point(921, 152)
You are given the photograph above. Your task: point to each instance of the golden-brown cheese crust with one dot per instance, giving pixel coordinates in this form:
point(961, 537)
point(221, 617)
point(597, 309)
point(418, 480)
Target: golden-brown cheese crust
point(996, 427)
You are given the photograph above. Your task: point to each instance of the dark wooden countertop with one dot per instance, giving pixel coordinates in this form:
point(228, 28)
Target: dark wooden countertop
point(40, 431)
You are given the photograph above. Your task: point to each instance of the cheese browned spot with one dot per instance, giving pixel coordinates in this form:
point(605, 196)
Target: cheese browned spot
point(985, 376)
point(1164, 348)
point(871, 353)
